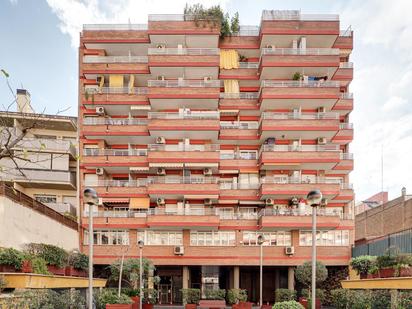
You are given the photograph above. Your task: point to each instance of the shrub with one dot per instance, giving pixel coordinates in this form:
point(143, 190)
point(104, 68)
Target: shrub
point(385, 261)
point(320, 294)
point(236, 295)
point(110, 297)
point(342, 299)
point(190, 296)
point(53, 255)
point(404, 300)
point(78, 260)
point(215, 294)
point(282, 295)
point(288, 305)
point(39, 266)
point(304, 273)
point(380, 299)
point(131, 271)
point(149, 296)
point(361, 264)
point(11, 257)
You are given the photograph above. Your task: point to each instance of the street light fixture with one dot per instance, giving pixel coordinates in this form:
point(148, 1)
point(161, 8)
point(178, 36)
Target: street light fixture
point(90, 198)
point(140, 243)
point(314, 199)
point(260, 241)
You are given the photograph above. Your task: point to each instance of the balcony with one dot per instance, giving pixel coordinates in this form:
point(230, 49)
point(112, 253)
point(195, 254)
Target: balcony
point(39, 178)
point(345, 104)
point(63, 208)
point(298, 125)
point(233, 193)
point(196, 156)
point(295, 94)
point(246, 71)
point(115, 65)
point(183, 187)
point(115, 130)
point(185, 124)
point(240, 132)
point(47, 145)
point(114, 33)
point(344, 42)
point(282, 63)
point(299, 157)
point(184, 93)
point(119, 160)
point(183, 218)
point(346, 163)
point(239, 162)
point(344, 73)
point(345, 134)
point(239, 101)
point(119, 188)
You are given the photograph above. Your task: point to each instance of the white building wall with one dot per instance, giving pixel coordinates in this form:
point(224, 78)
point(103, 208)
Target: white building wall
point(20, 225)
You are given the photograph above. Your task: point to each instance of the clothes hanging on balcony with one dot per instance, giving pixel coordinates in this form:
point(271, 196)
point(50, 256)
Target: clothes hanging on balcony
point(231, 86)
point(116, 81)
point(131, 84)
point(101, 83)
point(229, 59)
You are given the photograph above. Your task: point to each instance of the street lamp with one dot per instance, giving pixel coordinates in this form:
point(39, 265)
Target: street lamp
point(314, 199)
point(90, 198)
point(141, 293)
point(260, 241)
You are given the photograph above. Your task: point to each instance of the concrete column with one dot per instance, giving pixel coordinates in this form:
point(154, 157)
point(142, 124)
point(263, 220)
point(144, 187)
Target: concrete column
point(186, 277)
point(236, 276)
point(291, 278)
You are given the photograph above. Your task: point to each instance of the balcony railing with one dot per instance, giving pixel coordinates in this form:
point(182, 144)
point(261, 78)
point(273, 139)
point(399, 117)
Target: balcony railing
point(62, 208)
point(142, 182)
point(301, 51)
point(346, 95)
point(174, 17)
point(296, 15)
point(297, 83)
point(346, 65)
point(45, 145)
point(238, 156)
point(240, 95)
point(238, 186)
point(183, 147)
point(181, 180)
point(346, 33)
point(346, 186)
point(117, 90)
point(239, 125)
point(185, 115)
point(248, 65)
point(346, 156)
point(115, 59)
point(247, 30)
point(303, 148)
point(346, 126)
point(303, 212)
point(93, 152)
point(184, 51)
point(102, 27)
point(184, 83)
point(40, 176)
point(114, 121)
point(295, 180)
point(277, 116)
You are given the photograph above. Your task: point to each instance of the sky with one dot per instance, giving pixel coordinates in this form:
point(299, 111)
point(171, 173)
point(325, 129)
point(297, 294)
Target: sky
point(39, 43)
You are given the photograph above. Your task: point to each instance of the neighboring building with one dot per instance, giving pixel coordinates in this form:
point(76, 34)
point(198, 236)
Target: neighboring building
point(46, 157)
point(198, 154)
point(372, 202)
point(385, 226)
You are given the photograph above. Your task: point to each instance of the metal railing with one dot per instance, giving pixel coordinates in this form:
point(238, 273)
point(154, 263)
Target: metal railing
point(115, 59)
point(302, 148)
point(301, 51)
point(346, 156)
point(182, 212)
point(117, 90)
point(183, 147)
point(240, 95)
point(346, 186)
point(175, 17)
point(249, 125)
point(94, 152)
point(238, 186)
point(248, 65)
point(284, 179)
point(346, 65)
point(184, 83)
point(142, 182)
point(184, 51)
point(103, 27)
point(181, 180)
point(346, 126)
point(346, 33)
point(298, 83)
point(62, 207)
point(296, 15)
point(346, 95)
point(238, 156)
point(185, 115)
point(301, 212)
point(114, 121)
point(45, 145)
point(276, 116)
point(247, 30)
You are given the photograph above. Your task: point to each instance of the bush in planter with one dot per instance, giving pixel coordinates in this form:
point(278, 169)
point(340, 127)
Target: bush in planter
point(288, 305)
point(343, 299)
point(150, 296)
point(320, 294)
point(235, 296)
point(11, 257)
point(53, 255)
point(78, 260)
point(304, 273)
point(380, 299)
point(282, 295)
point(107, 296)
point(361, 264)
point(191, 296)
point(386, 264)
point(373, 271)
point(131, 272)
point(39, 266)
point(218, 294)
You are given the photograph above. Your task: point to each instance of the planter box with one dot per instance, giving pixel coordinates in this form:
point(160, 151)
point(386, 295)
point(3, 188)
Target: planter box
point(266, 307)
point(136, 301)
point(386, 273)
point(73, 272)
point(245, 305)
point(304, 302)
point(119, 306)
point(56, 270)
point(373, 276)
point(190, 306)
point(7, 269)
point(405, 272)
point(27, 267)
point(363, 276)
point(147, 306)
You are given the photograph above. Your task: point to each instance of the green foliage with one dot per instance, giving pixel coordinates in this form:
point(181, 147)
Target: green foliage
point(47, 299)
point(361, 264)
point(39, 266)
point(131, 292)
point(304, 273)
point(70, 216)
point(191, 296)
point(2, 283)
point(373, 269)
point(297, 76)
point(291, 304)
point(242, 58)
point(150, 296)
point(404, 300)
point(320, 294)
point(282, 295)
point(234, 23)
point(380, 299)
point(386, 261)
point(234, 296)
point(131, 271)
point(354, 299)
point(332, 282)
point(53, 255)
point(107, 296)
point(11, 257)
point(78, 260)
point(218, 294)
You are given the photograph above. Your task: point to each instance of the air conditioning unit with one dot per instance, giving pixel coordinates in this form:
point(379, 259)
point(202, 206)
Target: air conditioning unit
point(99, 171)
point(208, 202)
point(207, 171)
point(160, 140)
point(321, 109)
point(321, 140)
point(179, 250)
point(160, 77)
point(269, 202)
point(290, 250)
point(161, 171)
point(161, 45)
point(160, 201)
point(100, 110)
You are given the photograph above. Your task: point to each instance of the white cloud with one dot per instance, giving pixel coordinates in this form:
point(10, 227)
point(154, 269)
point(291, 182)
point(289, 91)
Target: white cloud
point(14, 2)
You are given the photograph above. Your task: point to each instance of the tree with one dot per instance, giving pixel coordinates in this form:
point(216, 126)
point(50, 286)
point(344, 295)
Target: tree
point(304, 273)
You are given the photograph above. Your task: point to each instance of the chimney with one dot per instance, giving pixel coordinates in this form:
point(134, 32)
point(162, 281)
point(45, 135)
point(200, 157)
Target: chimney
point(23, 101)
point(403, 191)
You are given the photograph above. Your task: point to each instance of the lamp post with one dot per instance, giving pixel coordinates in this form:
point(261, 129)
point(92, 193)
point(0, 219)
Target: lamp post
point(314, 199)
point(90, 198)
point(141, 293)
point(260, 241)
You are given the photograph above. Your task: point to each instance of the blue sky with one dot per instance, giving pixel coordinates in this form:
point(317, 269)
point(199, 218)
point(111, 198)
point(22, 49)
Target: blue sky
point(39, 40)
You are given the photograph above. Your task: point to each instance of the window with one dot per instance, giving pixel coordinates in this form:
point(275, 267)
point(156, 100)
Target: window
point(108, 237)
point(225, 212)
point(278, 238)
point(325, 238)
point(213, 238)
point(43, 198)
point(161, 238)
point(248, 212)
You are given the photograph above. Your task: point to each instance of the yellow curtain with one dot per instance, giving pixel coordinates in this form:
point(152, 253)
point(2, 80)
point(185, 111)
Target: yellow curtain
point(131, 84)
point(101, 84)
point(116, 81)
point(229, 59)
point(231, 86)
point(139, 202)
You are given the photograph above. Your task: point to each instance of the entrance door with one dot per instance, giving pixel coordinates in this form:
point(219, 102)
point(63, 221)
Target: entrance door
point(165, 295)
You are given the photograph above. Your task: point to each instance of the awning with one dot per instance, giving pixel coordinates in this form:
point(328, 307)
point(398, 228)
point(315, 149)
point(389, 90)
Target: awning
point(231, 202)
point(139, 168)
point(140, 108)
point(172, 165)
point(139, 202)
point(229, 112)
point(229, 171)
point(252, 202)
point(253, 170)
point(115, 200)
point(201, 165)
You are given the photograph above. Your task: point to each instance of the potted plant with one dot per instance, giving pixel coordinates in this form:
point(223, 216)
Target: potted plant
point(284, 295)
point(11, 260)
point(361, 264)
point(78, 264)
point(237, 298)
point(386, 264)
point(110, 299)
point(306, 295)
point(218, 294)
point(149, 298)
point(297, 76)
point(403, 265)
point(373, 272)
point(191, 298)
point(55, 257)
point(291, 304)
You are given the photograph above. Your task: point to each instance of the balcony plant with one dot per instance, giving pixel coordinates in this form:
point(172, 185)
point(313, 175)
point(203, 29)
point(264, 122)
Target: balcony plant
point(361, 264)
point(291, 304)
point(78, 264)
point(284, 295)
point(386, 264)
point(238, 299)
point(218, 294)
point(191, 298)
point(304, 275)
point(109, 299)
point(39, 266)
point(297, 76)
point(11, 260)
point(55, 257)
point(373, 272)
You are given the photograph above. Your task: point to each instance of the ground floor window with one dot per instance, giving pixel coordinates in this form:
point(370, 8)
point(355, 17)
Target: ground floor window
point(212, 238)
point(108, 237)
point(325, 238)
point(161, 238)
point(278, 238)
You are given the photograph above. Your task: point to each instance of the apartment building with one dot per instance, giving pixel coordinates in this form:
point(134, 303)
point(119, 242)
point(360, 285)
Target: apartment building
point(197, 144)
point(44, 162)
